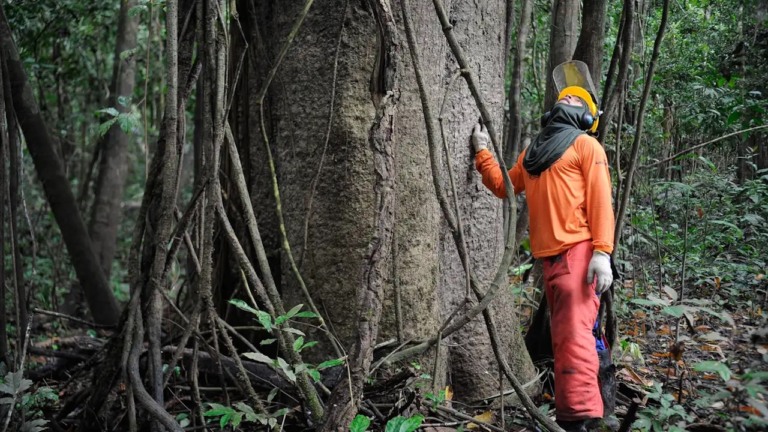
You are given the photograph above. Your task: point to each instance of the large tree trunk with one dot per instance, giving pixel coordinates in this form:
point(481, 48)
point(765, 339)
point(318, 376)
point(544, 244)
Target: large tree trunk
point(108, 197)
point(98, 293)
point(326, 175)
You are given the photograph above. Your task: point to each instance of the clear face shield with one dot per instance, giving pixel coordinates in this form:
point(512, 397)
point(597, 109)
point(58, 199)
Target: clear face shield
point(574, 73)
point(573, 78)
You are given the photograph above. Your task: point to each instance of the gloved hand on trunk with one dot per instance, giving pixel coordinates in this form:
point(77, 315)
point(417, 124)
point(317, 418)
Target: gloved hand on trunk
point(480, 138)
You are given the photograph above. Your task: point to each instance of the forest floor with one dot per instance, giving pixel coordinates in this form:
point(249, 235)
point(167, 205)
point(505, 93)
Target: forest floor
point(704, 371)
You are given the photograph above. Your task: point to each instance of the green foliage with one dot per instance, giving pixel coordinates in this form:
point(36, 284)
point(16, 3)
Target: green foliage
point(738, 394)
point(714, 223)
point(668, 416)
point(241, 412)
point(280, 364)
point(359, 424)
point(29, 404)
point(398, 424)
point(127, 121)
point(436, 399)
point(404, 424)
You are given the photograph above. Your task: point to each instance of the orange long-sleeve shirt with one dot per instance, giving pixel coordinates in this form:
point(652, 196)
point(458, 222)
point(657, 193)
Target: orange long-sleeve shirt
point(568, 203)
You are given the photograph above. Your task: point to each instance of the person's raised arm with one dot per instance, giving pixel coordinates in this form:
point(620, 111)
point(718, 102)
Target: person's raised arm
point(489, 168)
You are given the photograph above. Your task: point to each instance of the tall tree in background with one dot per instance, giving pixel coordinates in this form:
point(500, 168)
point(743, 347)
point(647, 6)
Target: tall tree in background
point(589, 47)
point(101, 300)
point(107, 209)
point(564, 24)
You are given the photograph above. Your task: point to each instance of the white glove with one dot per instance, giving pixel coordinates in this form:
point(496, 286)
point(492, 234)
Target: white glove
point(480, 138)
point(600, 267)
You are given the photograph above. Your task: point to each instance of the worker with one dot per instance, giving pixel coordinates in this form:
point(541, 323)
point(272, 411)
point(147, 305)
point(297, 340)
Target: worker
point(565, 176)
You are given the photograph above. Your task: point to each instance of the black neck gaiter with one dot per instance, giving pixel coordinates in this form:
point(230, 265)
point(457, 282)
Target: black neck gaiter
point(555, 138)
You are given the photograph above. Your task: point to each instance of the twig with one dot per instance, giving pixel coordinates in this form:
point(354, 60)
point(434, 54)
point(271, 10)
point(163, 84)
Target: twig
point(71, 318)
point(269, 296)
point(463, 416)
point(698, 146)
point(316, 179)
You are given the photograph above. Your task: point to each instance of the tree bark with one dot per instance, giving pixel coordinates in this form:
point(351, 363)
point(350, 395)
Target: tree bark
point(106, 212)
point(327, 190)
point(562, 41)
point(514, 130)
point(620, 59)
point(98, 293)
point(4, 193)
point(589, 47)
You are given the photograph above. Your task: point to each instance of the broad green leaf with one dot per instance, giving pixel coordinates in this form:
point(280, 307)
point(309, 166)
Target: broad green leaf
point(112, 112)
point(242, 406)
point(330, 363)
point(259, 357)
point(359, 424)
point(104, 127)
point(403, 424)
point(294, 310)
point(224, 420)
point(281, 412)
point(297, 344)
point(238, 417)
point(309, 344)
point(714, 366)
point(240, 304)
point(265, 320)
point(649, 302)
point(294, 331)
point(314, 374)
point(217, 410)
point(272, 394)
point(519, 270)
point(675, 311)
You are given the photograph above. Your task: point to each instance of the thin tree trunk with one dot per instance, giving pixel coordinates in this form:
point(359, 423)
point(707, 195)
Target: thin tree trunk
point(108, 196)
point(589, 47)
point(622, 57)
point(101, 300)
point(639, 125)
point(4, 194)
point(514, 130)
point(562, 41)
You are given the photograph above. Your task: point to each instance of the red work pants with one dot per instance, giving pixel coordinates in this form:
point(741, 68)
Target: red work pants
point(573, 307)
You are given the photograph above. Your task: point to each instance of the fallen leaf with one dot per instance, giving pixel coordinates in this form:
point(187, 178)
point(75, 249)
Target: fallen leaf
point(485, 417)
point(712, 348)
point(633, 376)
point(448, 393)
point(750, 409)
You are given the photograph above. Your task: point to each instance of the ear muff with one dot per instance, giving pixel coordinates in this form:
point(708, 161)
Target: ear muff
point(588, 121)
